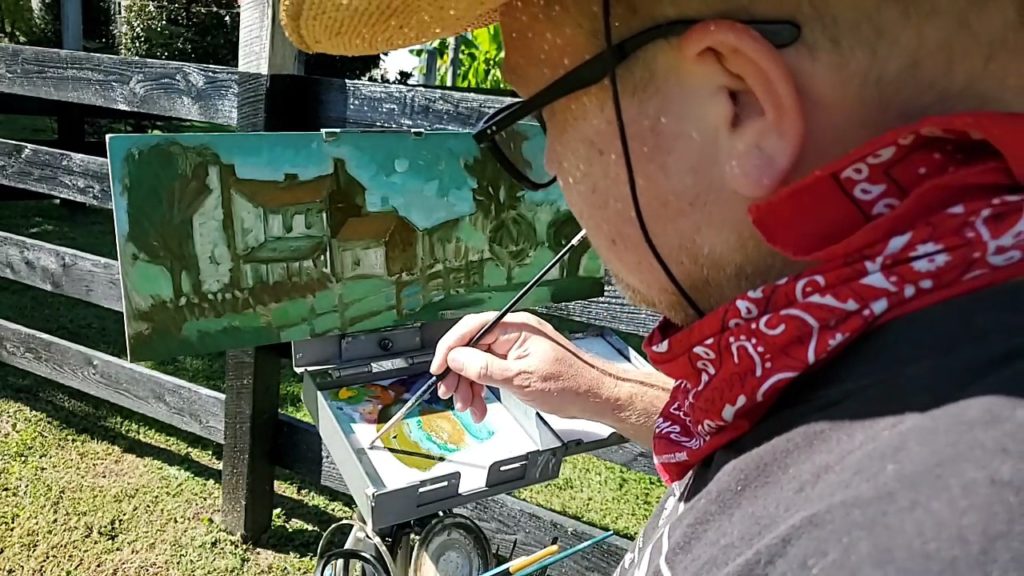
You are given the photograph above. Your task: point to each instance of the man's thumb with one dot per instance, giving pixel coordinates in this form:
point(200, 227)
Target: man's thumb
point(480, 367)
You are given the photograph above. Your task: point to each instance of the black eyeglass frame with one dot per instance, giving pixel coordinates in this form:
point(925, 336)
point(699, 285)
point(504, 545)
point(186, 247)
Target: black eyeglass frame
point(780, 34)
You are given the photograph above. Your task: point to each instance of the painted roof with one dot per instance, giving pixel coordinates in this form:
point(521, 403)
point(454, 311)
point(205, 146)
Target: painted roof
point(291, 192)
point(376, 226)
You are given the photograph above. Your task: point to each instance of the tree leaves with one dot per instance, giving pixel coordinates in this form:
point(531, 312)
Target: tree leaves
point(480, 56)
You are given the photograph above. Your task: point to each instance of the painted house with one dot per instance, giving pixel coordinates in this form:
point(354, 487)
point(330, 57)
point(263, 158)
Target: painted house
point(382, 244)
point(280, 228)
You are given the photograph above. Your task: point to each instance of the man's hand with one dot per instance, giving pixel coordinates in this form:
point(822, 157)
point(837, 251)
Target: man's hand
point(525, 356)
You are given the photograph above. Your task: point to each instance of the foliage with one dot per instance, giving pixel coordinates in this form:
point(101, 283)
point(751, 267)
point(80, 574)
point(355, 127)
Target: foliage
point(480, 55)
point(17, 23)
point(21, 24)
point(206, 32)
point(197, 31)
point(561, 230)
point(511, 235)
point(512, 240)
point(98, 25)
point(345, 67)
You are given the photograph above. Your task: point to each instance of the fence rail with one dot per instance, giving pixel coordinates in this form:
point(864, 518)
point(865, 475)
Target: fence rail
point(247, 414)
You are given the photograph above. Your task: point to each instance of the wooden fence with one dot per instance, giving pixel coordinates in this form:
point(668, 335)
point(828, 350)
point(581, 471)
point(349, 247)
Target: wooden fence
point(266, 93)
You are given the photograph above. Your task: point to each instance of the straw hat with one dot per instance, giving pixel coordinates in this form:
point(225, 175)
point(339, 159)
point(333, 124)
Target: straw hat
point(361, 27)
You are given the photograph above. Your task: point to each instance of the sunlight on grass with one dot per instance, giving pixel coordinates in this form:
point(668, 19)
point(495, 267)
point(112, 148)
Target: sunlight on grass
point(84, 492)
point(599, 493)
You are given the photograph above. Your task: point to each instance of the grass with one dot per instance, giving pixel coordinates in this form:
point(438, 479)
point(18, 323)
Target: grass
point(88, 488)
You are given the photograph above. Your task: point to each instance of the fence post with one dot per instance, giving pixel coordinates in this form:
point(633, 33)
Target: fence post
point(253, 376)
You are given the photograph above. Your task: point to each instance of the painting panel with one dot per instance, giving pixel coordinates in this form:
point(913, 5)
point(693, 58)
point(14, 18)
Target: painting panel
point(240, 240)
point(433, 439)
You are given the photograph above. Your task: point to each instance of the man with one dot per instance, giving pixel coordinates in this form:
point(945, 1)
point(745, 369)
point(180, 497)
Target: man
point(824, 200)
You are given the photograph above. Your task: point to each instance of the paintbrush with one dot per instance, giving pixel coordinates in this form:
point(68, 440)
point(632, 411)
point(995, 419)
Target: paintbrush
point(425, 390)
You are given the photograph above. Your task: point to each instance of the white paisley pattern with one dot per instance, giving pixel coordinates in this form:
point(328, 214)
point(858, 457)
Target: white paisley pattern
point(746, 352)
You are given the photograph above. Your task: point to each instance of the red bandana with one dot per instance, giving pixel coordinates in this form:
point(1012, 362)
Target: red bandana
point(917, 216)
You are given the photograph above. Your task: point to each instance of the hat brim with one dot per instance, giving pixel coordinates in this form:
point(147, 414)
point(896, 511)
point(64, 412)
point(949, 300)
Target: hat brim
point(364, 27)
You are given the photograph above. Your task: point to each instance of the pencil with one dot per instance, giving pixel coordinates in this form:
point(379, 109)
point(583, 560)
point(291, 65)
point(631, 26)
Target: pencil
point(521, 563)
point(527, 561)
point(432, 383)
point(562, 556)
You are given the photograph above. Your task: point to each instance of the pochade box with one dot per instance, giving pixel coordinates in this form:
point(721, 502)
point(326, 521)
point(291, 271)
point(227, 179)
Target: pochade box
point(436, 458)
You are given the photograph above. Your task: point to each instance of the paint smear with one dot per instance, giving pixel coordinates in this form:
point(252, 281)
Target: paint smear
point(430, 434)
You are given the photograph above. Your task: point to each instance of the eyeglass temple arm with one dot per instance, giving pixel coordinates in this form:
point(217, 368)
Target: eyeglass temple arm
point(780, 34)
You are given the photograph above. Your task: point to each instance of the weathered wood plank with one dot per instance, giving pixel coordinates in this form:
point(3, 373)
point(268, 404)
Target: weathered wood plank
point(314, 103)
point(181, 404)
point(504, 518)
point(628, 455)
point(173, 89)
point(22, 105)
point(55, 172)
point(61, 270)
point(611, 310)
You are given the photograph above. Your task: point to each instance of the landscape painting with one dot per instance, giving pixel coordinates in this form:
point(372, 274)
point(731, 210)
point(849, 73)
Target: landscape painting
point(433, 439)
point(240, 240)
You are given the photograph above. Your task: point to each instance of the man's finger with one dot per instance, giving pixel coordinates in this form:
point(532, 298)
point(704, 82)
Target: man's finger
point(463, 395)
point(481, 367)
point(459, 335)
point(446, 387)
point(479, 390)
point(478, 410)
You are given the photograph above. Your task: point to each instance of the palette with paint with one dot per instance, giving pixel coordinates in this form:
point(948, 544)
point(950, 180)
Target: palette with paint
point(433, 440)
point(436, 458)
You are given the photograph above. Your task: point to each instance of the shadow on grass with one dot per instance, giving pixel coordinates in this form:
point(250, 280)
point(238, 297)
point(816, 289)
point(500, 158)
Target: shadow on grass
point(85, 415)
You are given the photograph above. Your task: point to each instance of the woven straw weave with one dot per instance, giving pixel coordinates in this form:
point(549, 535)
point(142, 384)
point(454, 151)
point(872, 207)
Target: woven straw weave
point(361, 27)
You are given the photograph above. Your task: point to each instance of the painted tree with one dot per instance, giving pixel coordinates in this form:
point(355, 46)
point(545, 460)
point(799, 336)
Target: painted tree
point(511, 236)
point(165, 184)
point(441, 239)
point(561, 230)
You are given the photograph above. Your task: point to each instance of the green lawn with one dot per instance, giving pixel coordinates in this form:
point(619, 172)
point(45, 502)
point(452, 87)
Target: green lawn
point(87, 488)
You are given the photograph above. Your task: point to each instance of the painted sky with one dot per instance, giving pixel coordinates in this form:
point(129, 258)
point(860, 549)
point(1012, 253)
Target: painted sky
point(423, 178)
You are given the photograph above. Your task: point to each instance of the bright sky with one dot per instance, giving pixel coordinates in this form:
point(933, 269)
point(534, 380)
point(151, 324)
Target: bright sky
point(399, 60)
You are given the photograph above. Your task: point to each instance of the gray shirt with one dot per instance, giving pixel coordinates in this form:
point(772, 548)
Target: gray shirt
point(903, 456)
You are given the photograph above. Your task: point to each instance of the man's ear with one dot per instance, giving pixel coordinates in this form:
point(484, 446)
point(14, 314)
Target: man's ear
point(763, 120)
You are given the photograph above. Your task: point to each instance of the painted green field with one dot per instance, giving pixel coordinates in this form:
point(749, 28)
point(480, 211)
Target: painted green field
point(86, 488)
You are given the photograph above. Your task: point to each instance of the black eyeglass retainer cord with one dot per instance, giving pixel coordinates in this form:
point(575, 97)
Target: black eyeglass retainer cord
point(624, 140)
